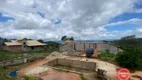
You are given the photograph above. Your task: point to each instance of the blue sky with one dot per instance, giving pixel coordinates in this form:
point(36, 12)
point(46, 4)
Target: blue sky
point(125, 26)
point(126, 16)
point(82, 19)
point(138, 5)
point(5, 18)
point(122, 27)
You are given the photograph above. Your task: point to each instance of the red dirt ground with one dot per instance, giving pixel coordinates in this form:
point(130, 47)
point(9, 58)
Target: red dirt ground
point(54, 75)
point(34, 64)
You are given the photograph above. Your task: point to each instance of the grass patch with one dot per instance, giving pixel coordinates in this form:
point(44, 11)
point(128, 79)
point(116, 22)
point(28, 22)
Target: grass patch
point(82, 77)
point(106, 56)
point(6, 55)
point(9, 56)
point(30, 78)
point(4, 74)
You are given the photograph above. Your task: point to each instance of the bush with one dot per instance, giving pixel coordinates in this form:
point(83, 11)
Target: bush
point(139, 62)
point(29, 78)
point(127, 60)
point(106, 56)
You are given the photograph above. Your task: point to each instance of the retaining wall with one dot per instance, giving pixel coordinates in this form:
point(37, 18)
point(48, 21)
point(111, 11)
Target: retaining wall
point(19, 61)
point(73, 63)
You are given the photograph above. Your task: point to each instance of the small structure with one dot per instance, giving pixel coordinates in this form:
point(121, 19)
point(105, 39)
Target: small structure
point(23, 45)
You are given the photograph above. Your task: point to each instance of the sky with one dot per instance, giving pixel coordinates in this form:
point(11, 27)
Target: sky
point(82, 19)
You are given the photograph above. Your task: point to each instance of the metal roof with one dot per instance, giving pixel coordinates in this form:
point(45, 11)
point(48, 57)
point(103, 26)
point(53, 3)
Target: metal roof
point(28, 43)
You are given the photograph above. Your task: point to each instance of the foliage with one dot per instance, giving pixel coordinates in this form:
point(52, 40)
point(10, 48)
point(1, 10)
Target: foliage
point(52, 46)
point(127, 60)
point(40, 40)
point(83, 77)
point(4, 75)
point(132, 52)
point(106, 55)
point(29, 78)
point(5, 55)
point(71, 39)
point(64, 38)
point(2, 40)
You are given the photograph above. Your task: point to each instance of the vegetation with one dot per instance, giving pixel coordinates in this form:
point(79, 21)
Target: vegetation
point(83, 77)
point(4, 74)
point(106, 56)
point(131, 57)
point(64, 38)
point(127, 60)
point(40, 40)
point(29, 78)
point(6, 55)
point(52, 46)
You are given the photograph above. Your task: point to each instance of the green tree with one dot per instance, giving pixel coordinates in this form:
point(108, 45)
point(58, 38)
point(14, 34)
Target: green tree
point(40, 40)
point(131, 56)
point(72, 38)
point(67, 38)
point(51, 45)
point(64, 38)
point(127, 60)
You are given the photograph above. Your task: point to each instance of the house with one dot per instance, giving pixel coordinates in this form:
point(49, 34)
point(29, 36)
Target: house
point(23, 45)
point(82, 46)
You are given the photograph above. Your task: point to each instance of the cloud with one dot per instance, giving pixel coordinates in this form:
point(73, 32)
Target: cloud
point(83, 19)
point(131, 21)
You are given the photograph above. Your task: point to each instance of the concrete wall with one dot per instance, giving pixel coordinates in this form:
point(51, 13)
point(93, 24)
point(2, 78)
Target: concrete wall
point(19, 61)
point(79, 46)
point(111, 48)
point(67, 47)
point(11, 62)
point(73, 63)
point(101, 74)
point(83, 46)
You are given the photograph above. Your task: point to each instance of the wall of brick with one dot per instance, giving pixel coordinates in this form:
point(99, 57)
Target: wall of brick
point(13, 48)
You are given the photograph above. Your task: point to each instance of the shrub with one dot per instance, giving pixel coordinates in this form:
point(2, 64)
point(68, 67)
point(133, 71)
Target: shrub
point(106, 56)
point(127, 60)
point(29, 78)
point(139, 62)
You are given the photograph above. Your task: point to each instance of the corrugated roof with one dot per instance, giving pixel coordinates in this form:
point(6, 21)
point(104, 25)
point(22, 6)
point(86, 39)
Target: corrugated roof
point(28, 43)
point(12, 43)
point(34, 43)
